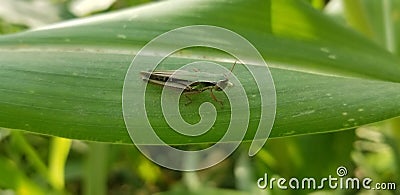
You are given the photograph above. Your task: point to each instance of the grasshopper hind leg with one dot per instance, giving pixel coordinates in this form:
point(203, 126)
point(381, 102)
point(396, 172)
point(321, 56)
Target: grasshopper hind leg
point(190, 93)
point(190, 100)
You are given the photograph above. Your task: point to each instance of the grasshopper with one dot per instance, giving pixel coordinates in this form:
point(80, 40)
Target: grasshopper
point(191, 82)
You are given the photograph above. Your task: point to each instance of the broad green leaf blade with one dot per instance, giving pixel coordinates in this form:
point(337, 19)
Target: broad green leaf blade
point(66, 80)
point(328, 42)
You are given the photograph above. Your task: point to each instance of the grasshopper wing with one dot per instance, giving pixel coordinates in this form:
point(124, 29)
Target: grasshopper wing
point(161, 78)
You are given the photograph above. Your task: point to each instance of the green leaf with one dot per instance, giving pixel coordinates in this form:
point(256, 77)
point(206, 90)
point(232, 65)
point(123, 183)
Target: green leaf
point(384, 22)
point(66, 80)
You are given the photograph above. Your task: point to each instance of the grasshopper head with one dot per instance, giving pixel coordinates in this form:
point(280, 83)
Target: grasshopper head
point(222, 84)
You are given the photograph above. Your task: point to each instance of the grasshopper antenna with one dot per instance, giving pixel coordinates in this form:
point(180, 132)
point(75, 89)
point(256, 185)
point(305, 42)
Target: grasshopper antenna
point(226, 75)
point(233, 66)
point(231, 69)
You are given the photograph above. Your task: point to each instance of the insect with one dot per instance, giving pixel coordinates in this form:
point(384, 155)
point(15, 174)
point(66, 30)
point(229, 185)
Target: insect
point(191, 82)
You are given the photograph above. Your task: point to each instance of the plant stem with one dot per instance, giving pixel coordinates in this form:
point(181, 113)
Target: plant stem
point(390, 38)
point(96, 169)
point(30, 152)
point(59, 150)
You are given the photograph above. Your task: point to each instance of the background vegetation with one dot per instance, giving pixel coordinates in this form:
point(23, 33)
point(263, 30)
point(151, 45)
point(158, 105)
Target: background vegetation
point(335, 65)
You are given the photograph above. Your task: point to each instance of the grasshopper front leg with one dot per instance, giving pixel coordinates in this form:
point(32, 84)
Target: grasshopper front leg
point(215, 98)
point(200, 91)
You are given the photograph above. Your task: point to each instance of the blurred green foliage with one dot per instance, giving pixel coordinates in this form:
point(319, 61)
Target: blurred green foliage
point(7, 28)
